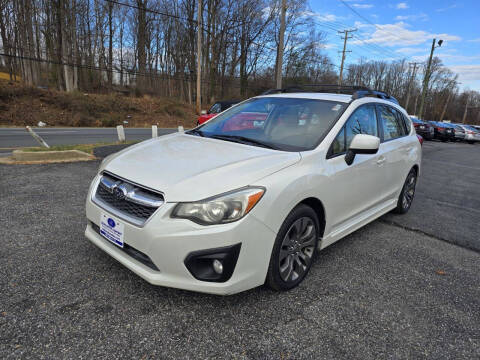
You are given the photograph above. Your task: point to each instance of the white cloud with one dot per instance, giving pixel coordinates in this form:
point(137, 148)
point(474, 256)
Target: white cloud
point(447, 58)
point(402, 5)
point(362, 6)
point(467, 73)
point(329, 46)
point(409, 50)
point(398, 35)
point(413, 17)
point(322, 16)
point(474, 40)
point(453, 6)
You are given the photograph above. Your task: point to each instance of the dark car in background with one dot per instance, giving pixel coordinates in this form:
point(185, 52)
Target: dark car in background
point(423, 128)
point(215, 109)
point(443, 131)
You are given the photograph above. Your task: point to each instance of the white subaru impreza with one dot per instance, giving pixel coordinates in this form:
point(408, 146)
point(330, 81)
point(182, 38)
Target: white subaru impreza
point(249, 197)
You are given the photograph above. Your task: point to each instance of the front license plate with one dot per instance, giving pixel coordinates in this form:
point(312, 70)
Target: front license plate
point(111, 229)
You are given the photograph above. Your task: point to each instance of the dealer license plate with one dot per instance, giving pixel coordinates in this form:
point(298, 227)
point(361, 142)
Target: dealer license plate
point(111, 229)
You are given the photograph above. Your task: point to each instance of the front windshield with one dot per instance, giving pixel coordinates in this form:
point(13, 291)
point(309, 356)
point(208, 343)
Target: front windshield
point(289, 124)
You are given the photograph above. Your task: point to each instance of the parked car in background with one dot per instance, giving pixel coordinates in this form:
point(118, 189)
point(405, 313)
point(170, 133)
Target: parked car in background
point(259, 200)
point(443, 131)
point(423, 128)
point(459, 132)
point(215, 109)
point(472, 135)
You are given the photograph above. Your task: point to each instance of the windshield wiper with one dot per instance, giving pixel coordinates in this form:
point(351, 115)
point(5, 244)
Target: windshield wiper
point(244, 140)
point(196, 132)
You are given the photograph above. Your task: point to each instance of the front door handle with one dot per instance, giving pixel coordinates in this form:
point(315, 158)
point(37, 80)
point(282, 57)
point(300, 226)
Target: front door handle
point(381, 160)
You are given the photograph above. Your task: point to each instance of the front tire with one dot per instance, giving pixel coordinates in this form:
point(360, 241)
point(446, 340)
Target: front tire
point(294, 249)
point(408, 192)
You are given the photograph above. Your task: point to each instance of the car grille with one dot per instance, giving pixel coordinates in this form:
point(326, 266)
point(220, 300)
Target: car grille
point(128, 208)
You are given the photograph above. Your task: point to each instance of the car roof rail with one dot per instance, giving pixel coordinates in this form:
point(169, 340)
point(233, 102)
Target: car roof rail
point(357, 91)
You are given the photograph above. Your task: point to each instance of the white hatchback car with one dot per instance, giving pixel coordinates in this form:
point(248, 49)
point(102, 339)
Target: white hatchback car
point(248, 197)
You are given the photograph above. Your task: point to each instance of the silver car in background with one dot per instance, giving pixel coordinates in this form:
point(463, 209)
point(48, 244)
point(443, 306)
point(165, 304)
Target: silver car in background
point(472, 134)
point(460, 132)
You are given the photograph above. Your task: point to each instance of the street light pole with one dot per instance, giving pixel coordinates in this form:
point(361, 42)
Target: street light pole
point(426, 78)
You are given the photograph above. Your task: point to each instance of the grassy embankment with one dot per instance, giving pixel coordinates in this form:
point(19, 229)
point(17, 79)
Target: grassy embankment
point(25, 105)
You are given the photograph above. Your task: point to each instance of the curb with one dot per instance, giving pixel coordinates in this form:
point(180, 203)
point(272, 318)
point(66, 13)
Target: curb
point(39, 157)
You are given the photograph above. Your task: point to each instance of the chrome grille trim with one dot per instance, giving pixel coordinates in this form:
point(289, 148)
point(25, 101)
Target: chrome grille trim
point(127, 200)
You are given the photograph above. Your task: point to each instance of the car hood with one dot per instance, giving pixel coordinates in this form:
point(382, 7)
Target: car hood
point(189, 168)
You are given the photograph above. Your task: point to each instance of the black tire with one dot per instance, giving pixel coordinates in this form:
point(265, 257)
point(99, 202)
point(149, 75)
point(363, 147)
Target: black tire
point(301, 253)
point(471, 142)
point(407, 194)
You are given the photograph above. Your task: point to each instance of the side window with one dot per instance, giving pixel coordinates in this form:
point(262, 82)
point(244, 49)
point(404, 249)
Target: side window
point(393, 127)
point(215, 109)
point(362, 121)
point(403, 120)
point(408, 124)
point(338, 145)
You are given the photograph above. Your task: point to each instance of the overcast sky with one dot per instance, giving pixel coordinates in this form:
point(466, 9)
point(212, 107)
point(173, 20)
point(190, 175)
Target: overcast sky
point(405, 29)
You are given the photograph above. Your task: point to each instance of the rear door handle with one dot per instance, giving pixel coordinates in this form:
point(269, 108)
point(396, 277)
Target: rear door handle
point(381, 160)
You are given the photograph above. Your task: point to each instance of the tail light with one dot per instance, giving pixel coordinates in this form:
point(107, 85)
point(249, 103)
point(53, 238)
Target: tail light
point(420, 139)
point(470, 132)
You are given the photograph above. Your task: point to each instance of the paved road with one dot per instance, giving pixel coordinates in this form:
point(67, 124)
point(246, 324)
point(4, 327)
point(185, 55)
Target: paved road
point(19, 137)
point(398, 288)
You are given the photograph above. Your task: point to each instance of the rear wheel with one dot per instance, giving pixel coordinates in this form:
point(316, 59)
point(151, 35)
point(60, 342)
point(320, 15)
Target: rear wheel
point(408, 192)
point(294, 249)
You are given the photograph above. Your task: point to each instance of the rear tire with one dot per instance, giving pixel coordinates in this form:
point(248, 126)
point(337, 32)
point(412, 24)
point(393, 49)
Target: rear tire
point(407, 194)
point(294, 249)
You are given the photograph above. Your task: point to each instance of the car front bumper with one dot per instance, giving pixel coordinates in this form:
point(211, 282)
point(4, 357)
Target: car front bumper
point(167, 242)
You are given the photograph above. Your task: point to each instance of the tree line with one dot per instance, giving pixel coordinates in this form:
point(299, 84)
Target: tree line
point(149, 46)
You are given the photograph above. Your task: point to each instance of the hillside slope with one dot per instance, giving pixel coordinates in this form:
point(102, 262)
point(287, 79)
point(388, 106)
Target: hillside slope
point(22, 105)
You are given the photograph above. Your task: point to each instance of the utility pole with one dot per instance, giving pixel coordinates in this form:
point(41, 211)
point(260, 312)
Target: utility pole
point(345, 38)
point(414, 71)
point(466, 109)
point(199, 56)
point(281, 38)
point(426, 78)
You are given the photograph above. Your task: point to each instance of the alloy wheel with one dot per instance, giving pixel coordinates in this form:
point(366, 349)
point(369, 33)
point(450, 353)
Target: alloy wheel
point(409, 190)
point(297, 249)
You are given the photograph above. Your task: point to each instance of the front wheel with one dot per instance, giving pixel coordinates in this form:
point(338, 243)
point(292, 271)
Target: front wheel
point(408, 192)
point(294, 249)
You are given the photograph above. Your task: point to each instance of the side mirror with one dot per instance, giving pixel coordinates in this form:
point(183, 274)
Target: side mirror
point(203, 112)
point(362, 144)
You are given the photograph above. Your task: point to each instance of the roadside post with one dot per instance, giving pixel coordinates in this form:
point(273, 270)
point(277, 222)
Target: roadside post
point(154, 131)
point(37, 137)
point(121, 133)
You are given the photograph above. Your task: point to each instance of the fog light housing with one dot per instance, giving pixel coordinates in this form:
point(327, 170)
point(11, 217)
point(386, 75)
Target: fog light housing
point(214, 265)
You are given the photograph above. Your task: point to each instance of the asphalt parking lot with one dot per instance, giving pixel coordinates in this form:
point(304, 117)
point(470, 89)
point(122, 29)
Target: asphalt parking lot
point(402, 287)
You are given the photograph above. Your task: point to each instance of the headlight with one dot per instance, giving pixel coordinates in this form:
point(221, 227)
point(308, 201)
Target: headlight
point(221, 209)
